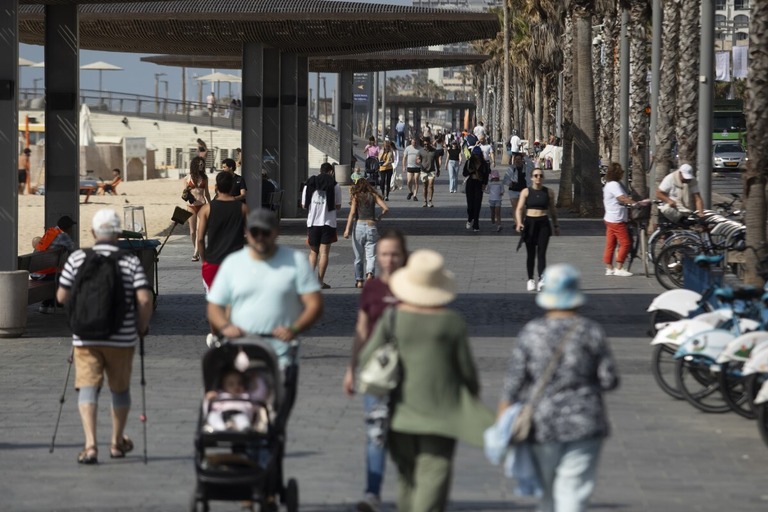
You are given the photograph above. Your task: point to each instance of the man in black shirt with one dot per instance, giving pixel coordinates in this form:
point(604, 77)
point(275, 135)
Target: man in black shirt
point(238, 184)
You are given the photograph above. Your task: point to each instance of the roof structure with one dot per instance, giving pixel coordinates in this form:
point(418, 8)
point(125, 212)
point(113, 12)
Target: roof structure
point(361, 62)
point(308, 27)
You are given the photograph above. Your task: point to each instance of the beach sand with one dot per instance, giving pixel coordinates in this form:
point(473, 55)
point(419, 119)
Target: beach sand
point(158, 197)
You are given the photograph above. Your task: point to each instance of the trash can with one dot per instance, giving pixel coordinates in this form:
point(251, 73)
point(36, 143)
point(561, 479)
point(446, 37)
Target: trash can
point(343, 174)
point(13, 295)
point(147, 254)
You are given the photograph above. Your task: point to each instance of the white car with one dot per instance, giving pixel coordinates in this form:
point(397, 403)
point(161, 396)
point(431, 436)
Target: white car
point(728, 156)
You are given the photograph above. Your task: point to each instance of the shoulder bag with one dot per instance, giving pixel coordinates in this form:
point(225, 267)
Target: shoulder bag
point(522, 428)
point(381, 374)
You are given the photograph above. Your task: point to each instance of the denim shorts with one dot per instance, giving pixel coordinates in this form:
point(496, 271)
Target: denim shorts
point(494, 204)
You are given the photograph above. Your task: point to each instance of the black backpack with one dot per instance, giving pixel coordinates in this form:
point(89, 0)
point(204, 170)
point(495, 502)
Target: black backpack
point(97, 303)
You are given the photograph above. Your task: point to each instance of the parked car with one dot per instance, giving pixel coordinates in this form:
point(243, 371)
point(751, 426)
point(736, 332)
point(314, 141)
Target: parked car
point(728, 156)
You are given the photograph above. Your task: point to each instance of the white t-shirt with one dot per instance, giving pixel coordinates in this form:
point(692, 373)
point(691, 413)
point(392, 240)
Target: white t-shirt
point(318, 208)
point(494, 189)
point(614, 210)
point(672, 185)
point(487, 149)
point(514, 144)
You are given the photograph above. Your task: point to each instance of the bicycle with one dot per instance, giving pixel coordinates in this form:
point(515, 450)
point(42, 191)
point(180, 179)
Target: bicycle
point(637, 227)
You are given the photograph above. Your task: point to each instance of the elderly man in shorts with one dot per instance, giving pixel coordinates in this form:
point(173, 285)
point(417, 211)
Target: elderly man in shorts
point(114, 354)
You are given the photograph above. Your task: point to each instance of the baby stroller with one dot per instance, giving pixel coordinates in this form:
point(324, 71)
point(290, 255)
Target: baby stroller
point(244, 462)
point(372, 171)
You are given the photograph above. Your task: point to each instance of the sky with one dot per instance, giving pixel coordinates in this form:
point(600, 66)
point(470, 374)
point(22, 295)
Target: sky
point(139, 77)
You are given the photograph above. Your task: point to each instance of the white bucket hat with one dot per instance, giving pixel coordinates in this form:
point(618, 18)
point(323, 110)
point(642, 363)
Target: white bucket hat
point(424, 281)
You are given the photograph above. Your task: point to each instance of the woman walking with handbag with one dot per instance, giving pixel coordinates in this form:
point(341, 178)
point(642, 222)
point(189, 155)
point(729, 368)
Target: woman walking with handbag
point(362, 224)
point(391, 254)
point(436, 401)
point(560, 366)
point(386, 165)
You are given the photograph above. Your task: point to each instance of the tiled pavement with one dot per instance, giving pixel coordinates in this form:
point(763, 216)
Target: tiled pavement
point(662, 456)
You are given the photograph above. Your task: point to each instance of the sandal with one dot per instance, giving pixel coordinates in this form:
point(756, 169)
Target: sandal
point(89, 455)
point(119, 449)
point(325, 286)
point(195, 257)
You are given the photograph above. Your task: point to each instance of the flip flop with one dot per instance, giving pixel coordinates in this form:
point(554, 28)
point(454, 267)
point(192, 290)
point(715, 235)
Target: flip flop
point(89, 456)
point(119, 450)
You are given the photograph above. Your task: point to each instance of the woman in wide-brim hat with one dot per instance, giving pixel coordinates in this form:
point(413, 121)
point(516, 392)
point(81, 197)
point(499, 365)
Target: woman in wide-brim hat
point(569, 418)
point(437, 401)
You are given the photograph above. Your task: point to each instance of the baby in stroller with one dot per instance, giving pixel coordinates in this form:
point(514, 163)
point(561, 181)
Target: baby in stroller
point(243, 402)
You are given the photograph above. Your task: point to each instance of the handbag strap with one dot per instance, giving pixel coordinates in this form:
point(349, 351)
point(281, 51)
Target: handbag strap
point(549, 372)
point(389, 332)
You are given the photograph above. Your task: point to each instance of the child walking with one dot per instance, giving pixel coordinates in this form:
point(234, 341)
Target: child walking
point(495, 190)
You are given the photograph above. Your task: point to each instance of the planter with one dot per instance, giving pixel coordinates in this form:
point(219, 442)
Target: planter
point(13, 297)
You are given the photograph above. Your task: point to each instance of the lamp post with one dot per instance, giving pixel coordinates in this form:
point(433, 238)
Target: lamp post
point(157, 91)
point(325, 92)
point(165, 98)
point(34, 82)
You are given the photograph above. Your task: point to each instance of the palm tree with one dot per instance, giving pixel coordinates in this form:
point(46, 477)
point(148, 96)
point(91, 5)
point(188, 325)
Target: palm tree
point(639, 15)
point(757, 136)
point(585, 138)
point(565, 192)
point(666, 120)
point(688, 85)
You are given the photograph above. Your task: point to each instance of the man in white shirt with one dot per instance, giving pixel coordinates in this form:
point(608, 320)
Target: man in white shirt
point(514, 143)
point(679, 189)
point(322, 195)
point(479, 130)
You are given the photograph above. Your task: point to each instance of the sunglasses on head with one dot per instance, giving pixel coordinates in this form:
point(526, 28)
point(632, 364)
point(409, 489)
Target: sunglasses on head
point(257, 232)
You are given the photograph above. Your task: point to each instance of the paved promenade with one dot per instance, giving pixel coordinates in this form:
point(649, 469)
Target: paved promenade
point(662, 455)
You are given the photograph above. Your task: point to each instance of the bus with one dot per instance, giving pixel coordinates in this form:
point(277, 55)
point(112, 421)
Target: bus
point(729, 122)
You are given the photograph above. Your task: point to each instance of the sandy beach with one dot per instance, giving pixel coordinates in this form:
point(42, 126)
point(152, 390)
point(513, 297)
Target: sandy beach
point(158, 197)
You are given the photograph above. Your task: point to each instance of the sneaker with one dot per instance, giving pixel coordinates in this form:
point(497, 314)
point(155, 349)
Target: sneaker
point(410, 195)
point(415, 198)
point(46, 310)
point(212, 340)
point(386, 198)
point(531, 286)
point(424, 205)
point(622, 273)
point(431, 205)
point(540, 285)
point(469, 225)
point(369, 503)
point(498, 228)
point(476, 230)
point(609, 271)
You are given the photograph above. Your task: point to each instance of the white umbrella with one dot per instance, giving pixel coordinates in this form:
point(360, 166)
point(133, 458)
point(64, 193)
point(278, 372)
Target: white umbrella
point(86, 130)
point(25, 62)
point(220, 77)
point(101, 66)
point(40, 64)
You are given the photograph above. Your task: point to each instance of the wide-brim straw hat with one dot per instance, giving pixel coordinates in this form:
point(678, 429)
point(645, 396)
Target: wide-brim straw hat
point(424, 281)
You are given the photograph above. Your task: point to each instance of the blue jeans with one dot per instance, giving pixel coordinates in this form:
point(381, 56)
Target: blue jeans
point(364, 239)
point(567, 473)
point(453, 175)
point(376, 426)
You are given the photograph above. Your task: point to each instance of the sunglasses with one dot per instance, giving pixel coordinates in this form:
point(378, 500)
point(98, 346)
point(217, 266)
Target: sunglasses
point(257, 232)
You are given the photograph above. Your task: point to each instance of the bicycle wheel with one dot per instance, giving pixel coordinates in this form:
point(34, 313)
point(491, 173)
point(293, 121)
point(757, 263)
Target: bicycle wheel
point(681, 237)
point(734, 389)
point(663, 369)
point(699, 385)
point(669, 264)
point(753, 383)
point(644, 249)
point(633, 231)
point(656, 240)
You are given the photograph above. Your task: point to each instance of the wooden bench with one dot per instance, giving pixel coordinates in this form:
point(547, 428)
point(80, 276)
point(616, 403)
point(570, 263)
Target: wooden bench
point(36, 261)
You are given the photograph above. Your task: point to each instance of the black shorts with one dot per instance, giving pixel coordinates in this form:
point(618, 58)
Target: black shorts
point(321, 235)
point(413, 169)
point(22, 176)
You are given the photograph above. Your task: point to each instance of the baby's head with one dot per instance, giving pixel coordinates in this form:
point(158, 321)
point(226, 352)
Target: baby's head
point(494, 175)
point(233, 382)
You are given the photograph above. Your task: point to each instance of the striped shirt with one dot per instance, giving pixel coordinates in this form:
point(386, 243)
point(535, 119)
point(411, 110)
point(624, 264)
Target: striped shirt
point(134, 279)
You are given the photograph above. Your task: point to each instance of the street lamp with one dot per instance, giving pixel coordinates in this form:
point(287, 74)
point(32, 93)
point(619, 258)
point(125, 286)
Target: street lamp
point(165, 99)
point(325, 114)
point(34, 82)
point(157, 90)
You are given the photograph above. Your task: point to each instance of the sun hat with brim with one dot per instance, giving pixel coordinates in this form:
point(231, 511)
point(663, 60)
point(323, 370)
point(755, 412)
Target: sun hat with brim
point(561, 288)
point(424, 281)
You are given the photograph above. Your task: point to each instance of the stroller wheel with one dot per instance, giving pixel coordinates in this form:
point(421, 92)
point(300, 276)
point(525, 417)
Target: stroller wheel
point(292, 496)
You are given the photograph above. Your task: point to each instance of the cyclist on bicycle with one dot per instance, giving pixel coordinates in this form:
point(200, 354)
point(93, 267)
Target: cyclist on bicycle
point(679, 190)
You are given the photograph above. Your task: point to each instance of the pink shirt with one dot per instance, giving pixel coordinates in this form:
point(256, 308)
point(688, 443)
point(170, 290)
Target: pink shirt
point(371, 151)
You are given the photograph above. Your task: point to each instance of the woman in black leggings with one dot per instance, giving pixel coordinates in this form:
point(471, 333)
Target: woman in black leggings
point(538, 203)
point(477, 178)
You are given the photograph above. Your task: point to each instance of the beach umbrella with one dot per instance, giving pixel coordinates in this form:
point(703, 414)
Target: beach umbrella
point(101, 66)
point(40, 64)
point(25, 62)
point(219, 77)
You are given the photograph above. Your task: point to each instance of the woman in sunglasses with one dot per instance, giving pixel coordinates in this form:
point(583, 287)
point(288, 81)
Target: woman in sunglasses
point(538, 204)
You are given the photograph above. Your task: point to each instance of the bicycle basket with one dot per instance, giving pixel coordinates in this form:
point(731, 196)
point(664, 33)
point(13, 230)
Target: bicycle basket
point(640, 212)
